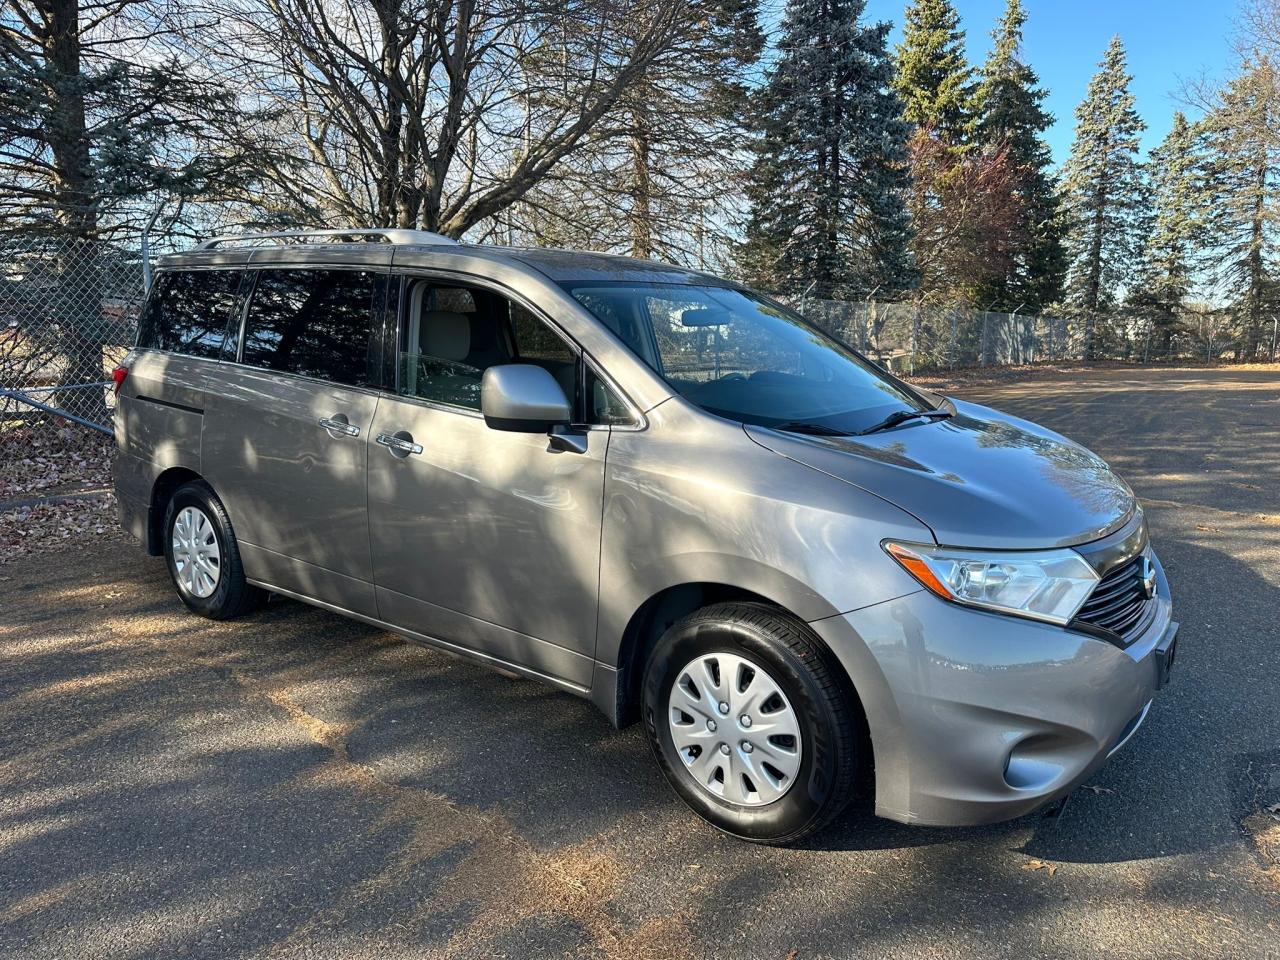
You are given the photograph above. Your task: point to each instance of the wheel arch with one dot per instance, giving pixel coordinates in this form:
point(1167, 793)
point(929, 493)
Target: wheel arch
point(652, 618)
point(164, 487)
point(668, 605)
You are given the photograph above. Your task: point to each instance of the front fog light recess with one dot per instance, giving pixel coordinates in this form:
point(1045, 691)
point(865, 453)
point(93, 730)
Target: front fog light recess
point(1048, 585)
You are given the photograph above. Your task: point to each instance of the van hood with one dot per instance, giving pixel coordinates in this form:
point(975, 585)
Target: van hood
point(978, 479)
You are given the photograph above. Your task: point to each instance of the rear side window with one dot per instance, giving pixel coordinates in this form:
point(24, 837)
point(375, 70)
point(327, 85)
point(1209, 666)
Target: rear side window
point(315, 323)
point(188, 311)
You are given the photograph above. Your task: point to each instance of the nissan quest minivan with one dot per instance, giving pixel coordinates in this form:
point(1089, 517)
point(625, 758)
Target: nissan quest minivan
point(656, 489)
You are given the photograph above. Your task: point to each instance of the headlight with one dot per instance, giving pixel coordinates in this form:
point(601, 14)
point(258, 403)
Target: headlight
point(1043, 584)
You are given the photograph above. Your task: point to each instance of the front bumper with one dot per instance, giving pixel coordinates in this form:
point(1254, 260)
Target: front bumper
point(977, 717)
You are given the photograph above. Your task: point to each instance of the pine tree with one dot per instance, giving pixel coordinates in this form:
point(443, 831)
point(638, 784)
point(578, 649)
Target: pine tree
point(1011, 114)
point(91, 135)
point(1103, 191)
point(1176, 231)
point(934, 79)
point(828, 182)
point(1243, 132)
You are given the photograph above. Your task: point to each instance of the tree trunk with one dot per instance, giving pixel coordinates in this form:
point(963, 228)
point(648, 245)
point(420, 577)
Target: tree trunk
point(1094, 293)
point(1252, 332)
point(641, 189)
point(390, 209)
point(80, 311)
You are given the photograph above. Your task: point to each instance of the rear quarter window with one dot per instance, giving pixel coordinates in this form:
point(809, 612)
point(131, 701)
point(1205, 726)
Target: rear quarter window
point(188, 311)
point(315, 323)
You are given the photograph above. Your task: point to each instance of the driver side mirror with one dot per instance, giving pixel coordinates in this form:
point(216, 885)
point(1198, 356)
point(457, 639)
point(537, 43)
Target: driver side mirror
point(523, 398)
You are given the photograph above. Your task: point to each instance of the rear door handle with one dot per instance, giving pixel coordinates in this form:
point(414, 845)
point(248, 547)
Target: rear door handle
point(339, 424)
point(401, 444)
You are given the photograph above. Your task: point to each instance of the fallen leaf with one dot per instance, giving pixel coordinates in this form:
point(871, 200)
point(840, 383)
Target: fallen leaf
point(1097, 789)
point(1045, 865)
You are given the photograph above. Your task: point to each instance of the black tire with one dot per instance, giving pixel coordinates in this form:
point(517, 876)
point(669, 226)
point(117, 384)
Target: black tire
point(233, 595)
point(823, 701)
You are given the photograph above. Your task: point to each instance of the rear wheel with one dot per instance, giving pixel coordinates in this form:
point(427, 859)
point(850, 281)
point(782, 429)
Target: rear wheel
point(204, 561)
point(752, 724)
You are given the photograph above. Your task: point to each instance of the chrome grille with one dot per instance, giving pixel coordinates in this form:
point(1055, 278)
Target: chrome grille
point(1118, 603)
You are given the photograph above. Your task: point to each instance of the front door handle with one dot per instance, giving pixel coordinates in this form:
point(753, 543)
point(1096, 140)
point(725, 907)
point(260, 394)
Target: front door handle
point(339, 425)
point(400, 444)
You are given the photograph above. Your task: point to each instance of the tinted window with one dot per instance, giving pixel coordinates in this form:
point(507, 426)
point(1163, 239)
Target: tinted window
point(316, 323)
point(188, 311)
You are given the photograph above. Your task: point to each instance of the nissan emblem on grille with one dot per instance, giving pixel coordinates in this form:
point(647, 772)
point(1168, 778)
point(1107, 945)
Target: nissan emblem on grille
point(1148, 578)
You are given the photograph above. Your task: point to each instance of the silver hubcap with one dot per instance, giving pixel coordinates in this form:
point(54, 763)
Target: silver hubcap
point(734, 729)
point(196, 556)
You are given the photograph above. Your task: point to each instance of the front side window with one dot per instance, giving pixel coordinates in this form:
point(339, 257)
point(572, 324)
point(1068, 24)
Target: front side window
point(188, 311)
point(449, 336)
point(743, 358)
point(315, 323)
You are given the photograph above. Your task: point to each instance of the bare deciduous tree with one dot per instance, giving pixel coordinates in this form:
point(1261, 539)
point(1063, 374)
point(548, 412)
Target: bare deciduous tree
point(436, 114)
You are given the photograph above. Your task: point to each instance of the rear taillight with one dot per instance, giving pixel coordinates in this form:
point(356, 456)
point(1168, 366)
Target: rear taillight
point(117, 377)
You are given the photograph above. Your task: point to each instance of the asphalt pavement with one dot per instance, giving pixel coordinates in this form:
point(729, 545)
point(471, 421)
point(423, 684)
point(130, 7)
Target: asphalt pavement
point(295, 784)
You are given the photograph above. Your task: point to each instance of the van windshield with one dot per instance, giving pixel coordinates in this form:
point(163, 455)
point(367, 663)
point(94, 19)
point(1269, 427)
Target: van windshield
point(744, 358)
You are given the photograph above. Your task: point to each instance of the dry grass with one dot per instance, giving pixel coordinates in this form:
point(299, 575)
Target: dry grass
point(1263, 829)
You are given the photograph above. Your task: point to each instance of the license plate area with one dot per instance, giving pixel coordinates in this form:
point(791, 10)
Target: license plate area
point(1165, 653)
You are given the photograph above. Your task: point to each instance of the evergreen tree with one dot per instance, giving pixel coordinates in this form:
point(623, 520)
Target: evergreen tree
point(91, 134)
point(828, 182)
point(1243, 131)
point(1011, 114)
point(934, 79)
point(1176, 229)
point(1103, 190)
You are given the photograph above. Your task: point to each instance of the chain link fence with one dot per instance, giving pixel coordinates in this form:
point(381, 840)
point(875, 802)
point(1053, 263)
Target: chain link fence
point(920, 337)
point(914, 337)
point(68, 312)
point(69, 309)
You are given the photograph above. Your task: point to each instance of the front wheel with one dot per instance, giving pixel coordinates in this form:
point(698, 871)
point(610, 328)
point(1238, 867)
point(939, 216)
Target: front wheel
point(751, 722)
point(204, 561)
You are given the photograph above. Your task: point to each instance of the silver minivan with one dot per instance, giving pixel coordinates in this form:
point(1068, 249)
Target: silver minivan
point(656, 489)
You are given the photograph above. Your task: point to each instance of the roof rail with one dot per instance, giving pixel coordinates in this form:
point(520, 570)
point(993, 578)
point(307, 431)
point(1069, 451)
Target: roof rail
point(421, 237)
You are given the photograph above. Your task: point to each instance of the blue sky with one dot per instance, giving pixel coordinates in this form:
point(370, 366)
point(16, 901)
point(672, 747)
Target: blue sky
point(1168, 41)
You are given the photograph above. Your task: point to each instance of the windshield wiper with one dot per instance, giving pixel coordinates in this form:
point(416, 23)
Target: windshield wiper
point(902, 416)
point(813, 429)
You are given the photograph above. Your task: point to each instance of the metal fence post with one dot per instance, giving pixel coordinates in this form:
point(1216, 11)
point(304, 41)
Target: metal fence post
point(146, 262)
point(915, 337)
point(951, 347)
